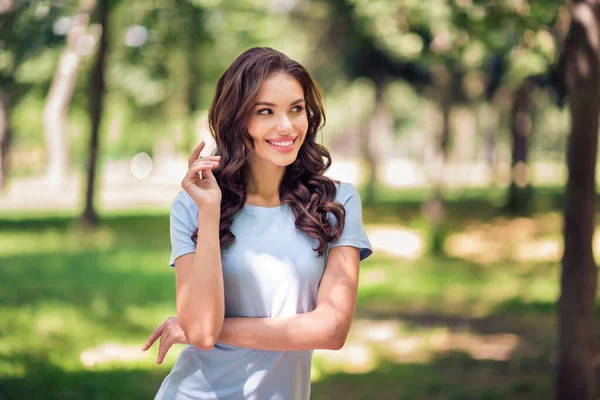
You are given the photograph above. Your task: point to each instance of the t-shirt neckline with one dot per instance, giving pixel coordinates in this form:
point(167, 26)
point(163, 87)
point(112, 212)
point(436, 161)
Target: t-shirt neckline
point(262, 210)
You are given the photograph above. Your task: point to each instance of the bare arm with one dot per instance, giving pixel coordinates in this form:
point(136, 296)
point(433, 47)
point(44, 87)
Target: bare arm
point(199, 276)
point(324, 328)
point(199, 286)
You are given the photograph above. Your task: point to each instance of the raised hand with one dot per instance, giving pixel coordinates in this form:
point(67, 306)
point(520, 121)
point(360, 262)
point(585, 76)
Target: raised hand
point(199, 182)
point(170, 333)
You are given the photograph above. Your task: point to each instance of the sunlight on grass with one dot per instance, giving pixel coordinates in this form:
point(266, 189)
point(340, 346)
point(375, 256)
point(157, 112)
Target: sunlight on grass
point(12, 369)
point(51, 323)
point(484, 248)
point(397, 242)
point(450, 285)
point(353, 358)
point(538, 250)
point(499, 347)
point(522, 240)
point(375, 343)
point(111, 352)
point(80, 305)
point(55, 241)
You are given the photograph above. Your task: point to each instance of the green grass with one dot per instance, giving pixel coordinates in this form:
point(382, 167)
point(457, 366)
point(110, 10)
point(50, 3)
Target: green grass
point(64, 290)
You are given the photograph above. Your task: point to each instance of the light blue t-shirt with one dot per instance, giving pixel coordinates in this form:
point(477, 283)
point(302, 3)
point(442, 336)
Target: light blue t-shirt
point(270, 271)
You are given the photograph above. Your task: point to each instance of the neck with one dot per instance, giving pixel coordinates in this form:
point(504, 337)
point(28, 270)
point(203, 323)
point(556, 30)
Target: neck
point(263, 182)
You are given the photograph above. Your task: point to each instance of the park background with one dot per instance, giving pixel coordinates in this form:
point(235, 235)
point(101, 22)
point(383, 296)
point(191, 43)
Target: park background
point(451, 117)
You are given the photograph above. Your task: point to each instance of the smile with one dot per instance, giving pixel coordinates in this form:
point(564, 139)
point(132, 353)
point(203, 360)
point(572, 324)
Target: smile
point(283, 146)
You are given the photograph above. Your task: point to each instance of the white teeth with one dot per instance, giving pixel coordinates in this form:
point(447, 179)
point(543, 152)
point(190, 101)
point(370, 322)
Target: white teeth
point(282, 144)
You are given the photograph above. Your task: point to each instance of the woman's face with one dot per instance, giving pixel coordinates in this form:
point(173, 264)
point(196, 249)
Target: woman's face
point(278, 123)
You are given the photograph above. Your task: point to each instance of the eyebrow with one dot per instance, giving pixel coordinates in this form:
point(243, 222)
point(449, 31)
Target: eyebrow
point(266, 103)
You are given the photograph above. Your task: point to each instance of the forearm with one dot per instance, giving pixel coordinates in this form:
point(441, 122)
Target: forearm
point(200, 293)
point(318, 329)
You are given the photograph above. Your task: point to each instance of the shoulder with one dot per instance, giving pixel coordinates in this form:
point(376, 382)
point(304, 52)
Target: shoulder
point(345, 191)
point(183, 204)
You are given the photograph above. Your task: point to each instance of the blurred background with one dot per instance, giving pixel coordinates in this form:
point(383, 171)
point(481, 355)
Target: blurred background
point(450, 116)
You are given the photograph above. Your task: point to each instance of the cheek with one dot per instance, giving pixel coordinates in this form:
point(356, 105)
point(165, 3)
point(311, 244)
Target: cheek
point(257, 130)
point(301, 124)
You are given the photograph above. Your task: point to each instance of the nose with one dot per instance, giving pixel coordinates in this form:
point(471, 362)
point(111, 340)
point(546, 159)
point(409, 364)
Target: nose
point(284, 126)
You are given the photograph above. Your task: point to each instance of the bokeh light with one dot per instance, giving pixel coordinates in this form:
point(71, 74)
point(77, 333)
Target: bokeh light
point(141, 165)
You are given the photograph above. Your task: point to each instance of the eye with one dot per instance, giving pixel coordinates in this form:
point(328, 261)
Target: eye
point(264, 111)
point(297, 109)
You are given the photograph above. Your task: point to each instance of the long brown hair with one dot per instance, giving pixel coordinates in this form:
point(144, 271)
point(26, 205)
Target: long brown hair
point(309, 194)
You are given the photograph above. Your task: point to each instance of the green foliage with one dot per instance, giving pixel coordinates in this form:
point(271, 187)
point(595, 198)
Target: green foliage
point(27, 120)
point(160, 87)
point(38, 70)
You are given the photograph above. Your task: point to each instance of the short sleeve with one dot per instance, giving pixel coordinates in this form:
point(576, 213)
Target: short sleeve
point(183, 225)
point(354, 231)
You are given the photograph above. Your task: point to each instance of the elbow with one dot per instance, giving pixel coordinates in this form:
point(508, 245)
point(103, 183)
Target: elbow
point(337, 337)
point(201, 338)
point(334, 328)
point(202, 342)
point(336, 343)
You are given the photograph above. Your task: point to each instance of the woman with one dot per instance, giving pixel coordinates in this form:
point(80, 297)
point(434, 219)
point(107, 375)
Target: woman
point(266, 249)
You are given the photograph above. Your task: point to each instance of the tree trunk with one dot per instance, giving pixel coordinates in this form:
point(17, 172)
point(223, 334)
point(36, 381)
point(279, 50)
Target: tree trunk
point(4, 135)
point(434, 208)
point(6, 20)
point(376, 132)
point(575, 377)
point(488, 117)
point(54, 117)
point(443, 148)
point(519, 193)
point(97, 89)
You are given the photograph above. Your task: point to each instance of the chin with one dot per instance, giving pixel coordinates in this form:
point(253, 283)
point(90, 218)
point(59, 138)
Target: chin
point(284, 161)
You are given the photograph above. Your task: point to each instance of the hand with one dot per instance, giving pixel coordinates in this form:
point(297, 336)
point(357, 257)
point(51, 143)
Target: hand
point(170, 333)
point(204, 190)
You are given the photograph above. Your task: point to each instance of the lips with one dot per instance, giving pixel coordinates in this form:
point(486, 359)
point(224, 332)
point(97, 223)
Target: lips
point(282, 145)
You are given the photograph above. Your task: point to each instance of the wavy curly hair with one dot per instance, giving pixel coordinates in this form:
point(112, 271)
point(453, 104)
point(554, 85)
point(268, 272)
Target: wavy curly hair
point(309, 194)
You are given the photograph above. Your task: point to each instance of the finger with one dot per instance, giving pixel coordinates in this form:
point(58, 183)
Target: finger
point(155, 335)
point(202, 167)
point(189, 178)
point(210, 158)
point(208, 175)
point(194, 171)
point(163, 349)
point(203, 161)
point(196, 152)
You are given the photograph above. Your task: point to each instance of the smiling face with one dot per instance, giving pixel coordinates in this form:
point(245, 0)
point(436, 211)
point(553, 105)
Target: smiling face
point(278, 123)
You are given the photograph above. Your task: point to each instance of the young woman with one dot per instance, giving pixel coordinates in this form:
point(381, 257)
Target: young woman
point(266, 249)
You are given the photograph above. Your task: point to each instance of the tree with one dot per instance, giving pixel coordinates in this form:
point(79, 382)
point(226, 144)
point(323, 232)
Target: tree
point(351, 38)
point(6, 18)
point(575, 374)
point(55, 113)
point(519, 191)
point(20, 44)
point(97, 89)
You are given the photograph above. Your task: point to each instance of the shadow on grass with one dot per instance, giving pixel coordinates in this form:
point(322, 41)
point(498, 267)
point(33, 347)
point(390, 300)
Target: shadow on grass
point(132, 276)
point(102, 285)
point(533, 327)
point(448, 376)
point(451, 284)
point(451, 376)
point(43, 381)
point(130, 230)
